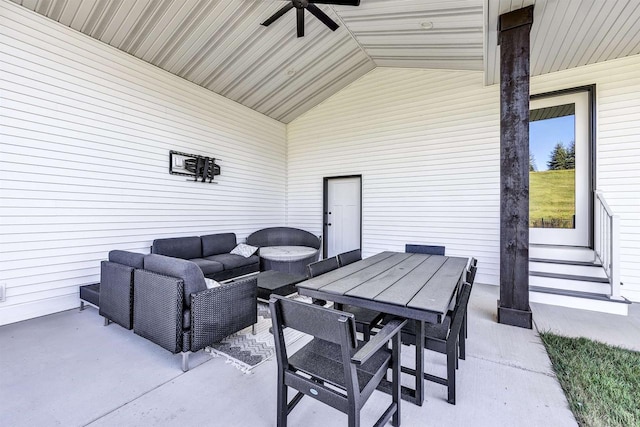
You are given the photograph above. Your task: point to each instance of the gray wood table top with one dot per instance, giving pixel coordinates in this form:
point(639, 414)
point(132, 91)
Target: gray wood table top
point(403, 283)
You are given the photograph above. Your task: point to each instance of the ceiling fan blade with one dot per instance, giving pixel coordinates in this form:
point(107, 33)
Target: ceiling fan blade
point(337, 2)
point(318, 13)
point(277, 15)
point(300, 22)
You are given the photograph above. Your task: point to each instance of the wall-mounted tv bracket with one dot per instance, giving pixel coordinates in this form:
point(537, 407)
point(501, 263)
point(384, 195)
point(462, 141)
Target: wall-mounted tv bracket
point(200, 168)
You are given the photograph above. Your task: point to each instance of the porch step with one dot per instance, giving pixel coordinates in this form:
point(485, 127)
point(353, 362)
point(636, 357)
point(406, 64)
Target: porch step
point(578, 299)
point(565, 262)
point(568, 269)
point(568, 283)
point(561, 253)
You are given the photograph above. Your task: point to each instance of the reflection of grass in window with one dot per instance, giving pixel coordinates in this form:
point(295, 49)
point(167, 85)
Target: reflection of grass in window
point(552, 197)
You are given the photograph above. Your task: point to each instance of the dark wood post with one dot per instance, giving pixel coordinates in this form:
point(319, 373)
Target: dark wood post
point(513, 305)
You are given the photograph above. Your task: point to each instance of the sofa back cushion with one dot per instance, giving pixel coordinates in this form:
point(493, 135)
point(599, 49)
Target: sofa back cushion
point(216, 244)
point(283, 236)
point(178, 247)
point(130, 259)
point(188, 271)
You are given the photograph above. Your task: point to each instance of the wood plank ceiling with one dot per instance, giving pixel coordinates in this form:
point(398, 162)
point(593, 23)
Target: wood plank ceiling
point(219, 44)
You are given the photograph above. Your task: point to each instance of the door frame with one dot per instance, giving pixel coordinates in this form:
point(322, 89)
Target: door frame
point(591, 135)
point(325, 208)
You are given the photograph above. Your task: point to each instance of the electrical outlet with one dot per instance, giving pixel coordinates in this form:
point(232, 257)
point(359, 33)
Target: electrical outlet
point(3, 292)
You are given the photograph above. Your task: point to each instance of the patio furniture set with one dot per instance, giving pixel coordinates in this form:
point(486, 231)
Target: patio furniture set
point(409, 298)
point(164, 296)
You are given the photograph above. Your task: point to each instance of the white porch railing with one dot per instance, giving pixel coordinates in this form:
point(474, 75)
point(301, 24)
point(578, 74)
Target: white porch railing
point(607, 242)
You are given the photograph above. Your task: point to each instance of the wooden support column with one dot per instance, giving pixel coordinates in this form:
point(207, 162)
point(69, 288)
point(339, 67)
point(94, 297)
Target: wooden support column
point(513, 305)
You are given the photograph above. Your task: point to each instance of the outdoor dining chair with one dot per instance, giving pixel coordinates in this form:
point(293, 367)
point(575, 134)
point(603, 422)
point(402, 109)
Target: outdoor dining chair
point(366, 319)
point(333, 367)
point(424, 249)
point(470, 278)
point(320, 267)
point(443, 338)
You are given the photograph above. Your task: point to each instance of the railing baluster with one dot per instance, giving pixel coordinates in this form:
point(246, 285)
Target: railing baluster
point(607, 245)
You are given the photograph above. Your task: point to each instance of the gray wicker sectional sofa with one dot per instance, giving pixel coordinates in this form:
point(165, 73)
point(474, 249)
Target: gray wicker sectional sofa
point(211, 253)
point(166, 300)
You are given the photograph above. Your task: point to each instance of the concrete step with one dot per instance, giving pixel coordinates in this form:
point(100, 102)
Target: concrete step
point(581, 300)
point(568, 268)
point(569, 283)
point(561, 253)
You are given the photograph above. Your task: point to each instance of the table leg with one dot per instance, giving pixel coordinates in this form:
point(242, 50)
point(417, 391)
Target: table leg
point(419, 326)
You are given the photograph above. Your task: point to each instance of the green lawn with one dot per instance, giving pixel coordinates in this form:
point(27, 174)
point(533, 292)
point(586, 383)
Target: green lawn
point(552, 197)
point(601, 382)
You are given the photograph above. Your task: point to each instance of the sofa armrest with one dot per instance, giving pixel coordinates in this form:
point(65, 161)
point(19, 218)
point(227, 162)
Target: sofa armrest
point(116, 293)
point(219, 312)
point(157, 313)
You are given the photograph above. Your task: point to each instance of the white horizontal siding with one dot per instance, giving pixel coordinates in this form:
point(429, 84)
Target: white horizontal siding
point(85, 137)
point(427, 145)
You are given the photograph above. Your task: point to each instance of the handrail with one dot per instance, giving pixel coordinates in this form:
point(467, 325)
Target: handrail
point(607, 242)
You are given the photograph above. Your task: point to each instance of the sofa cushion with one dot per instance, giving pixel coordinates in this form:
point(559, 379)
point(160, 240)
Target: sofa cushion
point(244, 250)
point(131, 259)
point(231, 261)
point(188, 271)
point(214, 244)
point(186, 319)
point(207, 266)
point(287, 253)
point(178, 247)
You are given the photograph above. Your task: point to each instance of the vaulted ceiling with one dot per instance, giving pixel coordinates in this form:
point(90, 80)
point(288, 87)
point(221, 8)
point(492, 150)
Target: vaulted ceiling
point(220, 44)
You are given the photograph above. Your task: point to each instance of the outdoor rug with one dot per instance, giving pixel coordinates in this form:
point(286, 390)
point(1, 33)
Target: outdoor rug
point(246, 351)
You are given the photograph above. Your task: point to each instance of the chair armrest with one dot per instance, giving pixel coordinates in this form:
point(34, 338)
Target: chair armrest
point(219, 312)
point(378, 340)
point(158, 304)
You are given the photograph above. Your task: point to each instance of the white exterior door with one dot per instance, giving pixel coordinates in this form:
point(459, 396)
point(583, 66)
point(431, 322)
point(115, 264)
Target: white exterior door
point(559, 211)
point(343, 215)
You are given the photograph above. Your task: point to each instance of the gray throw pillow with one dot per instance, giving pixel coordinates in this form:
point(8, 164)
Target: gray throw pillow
point(244, 250)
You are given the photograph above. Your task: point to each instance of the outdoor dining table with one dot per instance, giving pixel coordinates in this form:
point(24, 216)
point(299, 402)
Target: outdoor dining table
point(414, 286)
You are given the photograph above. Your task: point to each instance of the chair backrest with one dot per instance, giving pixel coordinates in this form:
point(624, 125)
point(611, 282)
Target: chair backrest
point(350, 257)
point(327, 324)
point(320, 267)
point(471, 272)
point(460, 309)
point(424, 249)
point(183, 269)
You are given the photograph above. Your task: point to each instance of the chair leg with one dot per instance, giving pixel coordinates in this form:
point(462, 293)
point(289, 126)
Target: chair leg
point(81, 305)
point(354, 418)
point(185, 361)
point(396, 384)
point(282, 402)
point(452, 360)
point(253, 329)
point(106, 322)
point(366, 332)
point(462, 344)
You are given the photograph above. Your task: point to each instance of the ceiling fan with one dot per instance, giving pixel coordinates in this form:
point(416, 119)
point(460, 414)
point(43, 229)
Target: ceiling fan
point(301, 5)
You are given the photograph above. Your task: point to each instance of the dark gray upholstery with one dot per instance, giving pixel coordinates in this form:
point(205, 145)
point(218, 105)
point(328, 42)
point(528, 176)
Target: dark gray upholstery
point(188, 271)
point(215, 244)
point(178, 247)
point(91, 293)
point(209, 267)
point(230, 261)
point(132, 259)
point(285, 236)
point(210, 253)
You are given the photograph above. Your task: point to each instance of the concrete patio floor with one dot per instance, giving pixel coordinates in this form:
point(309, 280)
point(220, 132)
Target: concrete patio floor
point(68, 369)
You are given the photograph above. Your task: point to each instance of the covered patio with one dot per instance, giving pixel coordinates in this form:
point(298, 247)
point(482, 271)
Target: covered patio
point(68, 369)
point(405, 98)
